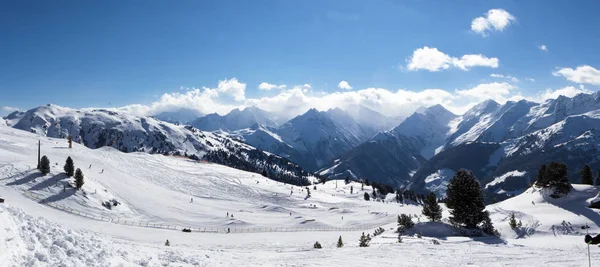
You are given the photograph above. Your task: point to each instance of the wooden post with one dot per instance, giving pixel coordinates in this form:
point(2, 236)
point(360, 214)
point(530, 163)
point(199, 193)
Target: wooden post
point(70, 141)
point(39, 145)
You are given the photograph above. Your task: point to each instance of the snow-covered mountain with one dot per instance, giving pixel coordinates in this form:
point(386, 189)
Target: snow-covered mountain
point(180, 116)
point(321, 136)
point(236, 120)
point(97, 128)
point(391, 157)
point(518, 137)
point(372, 120)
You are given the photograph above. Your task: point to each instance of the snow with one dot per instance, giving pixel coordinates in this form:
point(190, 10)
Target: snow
point(438, 181)
point(158, 189)
point(502, 178)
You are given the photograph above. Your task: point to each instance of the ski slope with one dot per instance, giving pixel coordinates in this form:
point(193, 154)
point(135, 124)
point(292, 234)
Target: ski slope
point(158, 189)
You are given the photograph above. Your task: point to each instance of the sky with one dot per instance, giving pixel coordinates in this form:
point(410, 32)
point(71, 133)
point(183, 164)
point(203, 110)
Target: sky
point(146, 57)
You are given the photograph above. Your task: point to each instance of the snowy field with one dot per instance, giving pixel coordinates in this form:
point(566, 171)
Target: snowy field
point(156, 189)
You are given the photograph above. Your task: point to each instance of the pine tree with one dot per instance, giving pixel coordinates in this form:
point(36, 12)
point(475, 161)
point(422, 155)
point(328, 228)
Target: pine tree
point(364, 240)
point(69, 167)
point(512, 222)
point(374, 193)
point(404, 223)
point(431, 208)
point(347, 180)
point(317, 245)
point(367, 197)
point(598, 177)
point(45, 165)
point(340, 243)
point(487, 226)
point(540, 181)
point(465, 198)
point(586, 175)
point(78, 178)
point(556, 176)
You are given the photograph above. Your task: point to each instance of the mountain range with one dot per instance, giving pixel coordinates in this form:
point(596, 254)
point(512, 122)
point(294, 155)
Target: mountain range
point(503, 144)
point(97, 128)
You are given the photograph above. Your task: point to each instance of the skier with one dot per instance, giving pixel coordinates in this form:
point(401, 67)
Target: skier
point(102, 171)
point(191, 200)
point(228, 230)
point(167, 243)
point(227, 215)
point(90, 166)
point(290, 213)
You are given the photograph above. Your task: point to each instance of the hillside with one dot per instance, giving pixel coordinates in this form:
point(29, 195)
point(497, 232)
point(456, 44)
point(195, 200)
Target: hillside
point(96, 128)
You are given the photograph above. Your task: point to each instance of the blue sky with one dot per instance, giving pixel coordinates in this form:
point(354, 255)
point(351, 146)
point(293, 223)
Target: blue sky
point(118, 53)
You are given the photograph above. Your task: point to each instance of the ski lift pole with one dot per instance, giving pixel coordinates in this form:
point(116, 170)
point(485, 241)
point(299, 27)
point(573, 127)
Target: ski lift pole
point(587, 232)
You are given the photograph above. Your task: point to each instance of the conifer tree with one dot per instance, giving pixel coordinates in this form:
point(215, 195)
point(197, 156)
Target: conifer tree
point(431, 208)
point(465, 198)
point(340, 243)
point(364, 240)
point(45, 165)
point(512, 222)
point(367, 197)
point(598, 177)
point(317, 245)
point(586, 175)
point(404, 223)
point(487, 226)
point(540, 181)
point(78, 178)
point(69, 167)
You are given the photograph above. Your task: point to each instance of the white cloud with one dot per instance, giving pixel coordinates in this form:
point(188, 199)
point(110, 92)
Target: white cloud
point(582, 74)
point(569, 91)
point(344, 85)
point(9, 109)
point(499, 92)
point(511, 78)
point(268, 86)
point(493, 20)
point(432, 59)
point(530, 79)
point(234, 88)
point(543, 48)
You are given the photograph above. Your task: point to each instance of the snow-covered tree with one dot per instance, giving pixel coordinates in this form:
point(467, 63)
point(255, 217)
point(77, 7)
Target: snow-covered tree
point(78, 178)
point(586, 175)
point(44, 165)
point(340, 243)
point(69, 167)
point(431, 208)
point(465, 198)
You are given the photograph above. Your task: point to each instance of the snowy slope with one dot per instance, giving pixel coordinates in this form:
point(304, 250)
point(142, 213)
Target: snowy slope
point(159, 188)
point(97, 128)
